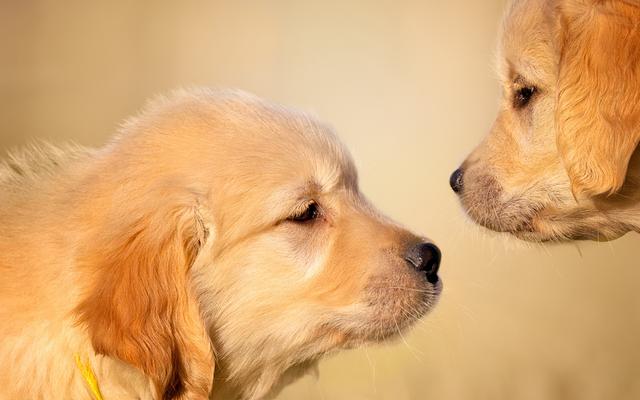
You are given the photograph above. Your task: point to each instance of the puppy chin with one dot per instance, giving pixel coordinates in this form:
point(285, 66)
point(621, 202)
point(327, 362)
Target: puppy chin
point(535, 224)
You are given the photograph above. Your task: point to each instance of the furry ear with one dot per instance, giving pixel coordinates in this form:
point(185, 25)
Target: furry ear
point(141, 308)
point(598, 113)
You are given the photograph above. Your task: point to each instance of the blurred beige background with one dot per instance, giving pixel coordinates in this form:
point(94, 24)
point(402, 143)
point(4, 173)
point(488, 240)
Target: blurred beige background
point(409, 86)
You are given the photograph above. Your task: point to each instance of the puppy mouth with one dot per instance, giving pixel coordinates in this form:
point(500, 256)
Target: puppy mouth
point(485, 206)
point(396, 308)
point(551, 218)
point(546, 223)
point(524, 220)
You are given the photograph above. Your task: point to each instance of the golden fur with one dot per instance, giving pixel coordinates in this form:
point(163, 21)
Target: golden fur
point(564, 165)
point(169, 261)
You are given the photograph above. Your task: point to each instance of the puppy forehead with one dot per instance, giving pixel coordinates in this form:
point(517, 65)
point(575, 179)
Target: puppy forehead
point(294, 146)
point(240, 142)
point(527, 41)
point(302, 160)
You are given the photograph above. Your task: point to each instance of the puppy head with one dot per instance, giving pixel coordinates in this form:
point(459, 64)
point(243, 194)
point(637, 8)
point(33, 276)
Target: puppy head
point(243, 220)
point(560, 162)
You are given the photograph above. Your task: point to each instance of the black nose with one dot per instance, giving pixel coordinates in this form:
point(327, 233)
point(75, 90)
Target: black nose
point(456, 180)
point(425, 257)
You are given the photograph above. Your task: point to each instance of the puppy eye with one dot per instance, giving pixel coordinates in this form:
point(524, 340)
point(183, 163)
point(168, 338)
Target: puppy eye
point(523, 96)
point(310, 213)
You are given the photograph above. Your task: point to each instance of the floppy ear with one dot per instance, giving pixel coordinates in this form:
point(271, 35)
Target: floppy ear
point(141, 308)
point(598, 113)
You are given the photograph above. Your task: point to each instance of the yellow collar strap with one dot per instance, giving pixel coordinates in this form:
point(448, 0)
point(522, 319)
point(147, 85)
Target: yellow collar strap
point(89, 377)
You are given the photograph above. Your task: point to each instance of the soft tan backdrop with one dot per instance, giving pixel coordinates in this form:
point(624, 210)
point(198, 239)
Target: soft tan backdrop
point(409, 86)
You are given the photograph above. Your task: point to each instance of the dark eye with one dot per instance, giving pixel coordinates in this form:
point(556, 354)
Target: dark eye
point(310, 213)
point(523, 96)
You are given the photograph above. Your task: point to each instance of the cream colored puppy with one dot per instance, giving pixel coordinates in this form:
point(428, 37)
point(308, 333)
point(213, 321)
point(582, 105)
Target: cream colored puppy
point(562, 161)
point(217, 247)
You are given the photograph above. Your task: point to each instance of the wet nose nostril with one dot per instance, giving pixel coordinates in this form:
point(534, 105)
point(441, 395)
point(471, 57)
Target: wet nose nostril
point(455, 181)
point(426, 257)
point(431, 261)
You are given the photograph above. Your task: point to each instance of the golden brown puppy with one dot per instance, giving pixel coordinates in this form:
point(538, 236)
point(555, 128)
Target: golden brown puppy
point(217, 247)
point(561, 161)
